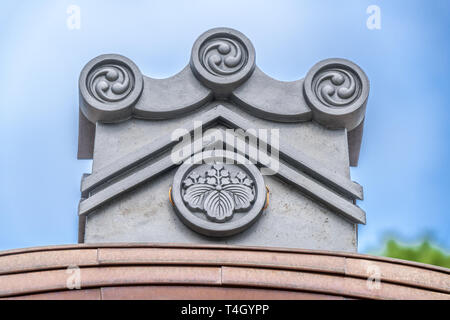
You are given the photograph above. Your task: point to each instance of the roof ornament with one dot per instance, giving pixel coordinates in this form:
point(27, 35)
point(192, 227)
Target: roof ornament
point(222, 59)
point(216, 198)
point(299, 137)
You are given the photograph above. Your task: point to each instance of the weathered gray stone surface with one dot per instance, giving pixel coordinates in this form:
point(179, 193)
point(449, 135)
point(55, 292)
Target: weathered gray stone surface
point(113, 141)
point(320, 120)
point(291, 220)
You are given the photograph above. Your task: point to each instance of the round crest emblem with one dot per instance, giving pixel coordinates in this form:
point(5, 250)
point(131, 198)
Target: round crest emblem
point(220, 196)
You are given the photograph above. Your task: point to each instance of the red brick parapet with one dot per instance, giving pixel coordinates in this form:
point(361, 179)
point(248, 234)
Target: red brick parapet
point(157, 271)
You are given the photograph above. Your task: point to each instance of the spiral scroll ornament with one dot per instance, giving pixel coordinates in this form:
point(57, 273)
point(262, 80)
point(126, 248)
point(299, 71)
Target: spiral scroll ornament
point(110, 83)
point(223, 57)
point(337, 87)
point(337, 90)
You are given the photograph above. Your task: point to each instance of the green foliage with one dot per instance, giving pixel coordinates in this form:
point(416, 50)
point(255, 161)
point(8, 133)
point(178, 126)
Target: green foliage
point(424, 252)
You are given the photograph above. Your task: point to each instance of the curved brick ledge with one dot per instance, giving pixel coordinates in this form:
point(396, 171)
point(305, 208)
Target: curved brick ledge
point(158, 271)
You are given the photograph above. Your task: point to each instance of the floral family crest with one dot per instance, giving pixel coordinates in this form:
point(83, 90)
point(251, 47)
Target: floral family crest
point(217, 193)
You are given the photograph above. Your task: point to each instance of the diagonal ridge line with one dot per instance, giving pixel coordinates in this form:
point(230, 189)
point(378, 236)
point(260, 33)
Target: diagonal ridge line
point(221, 113)
point(300, 180)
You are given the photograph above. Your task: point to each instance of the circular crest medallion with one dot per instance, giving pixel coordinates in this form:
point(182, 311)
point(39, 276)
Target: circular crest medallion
point(220, 196)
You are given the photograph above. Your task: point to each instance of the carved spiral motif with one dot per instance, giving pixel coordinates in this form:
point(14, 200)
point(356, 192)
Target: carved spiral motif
point(337, 90)
point(110, 83)
point(337, 87)
point(223, 56)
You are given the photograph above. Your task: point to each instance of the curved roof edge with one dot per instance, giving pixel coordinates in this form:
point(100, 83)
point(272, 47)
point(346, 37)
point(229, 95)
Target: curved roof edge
point(113, 271)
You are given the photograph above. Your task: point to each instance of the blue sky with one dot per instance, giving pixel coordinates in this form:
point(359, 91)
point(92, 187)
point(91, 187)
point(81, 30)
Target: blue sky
point(404, 163)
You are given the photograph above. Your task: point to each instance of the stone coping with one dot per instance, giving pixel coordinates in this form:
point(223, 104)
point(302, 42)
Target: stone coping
point(141, 270)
